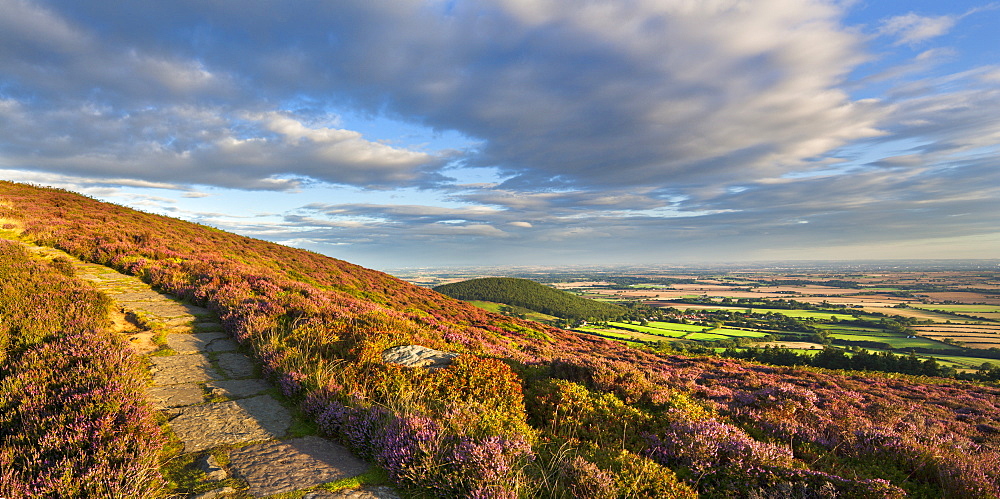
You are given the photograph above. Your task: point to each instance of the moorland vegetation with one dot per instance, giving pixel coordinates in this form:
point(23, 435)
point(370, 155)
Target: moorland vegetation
point(74, 421)
point(528, 410)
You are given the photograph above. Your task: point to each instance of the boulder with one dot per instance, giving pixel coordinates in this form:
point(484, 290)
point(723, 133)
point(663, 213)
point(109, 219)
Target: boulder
point(418, 356)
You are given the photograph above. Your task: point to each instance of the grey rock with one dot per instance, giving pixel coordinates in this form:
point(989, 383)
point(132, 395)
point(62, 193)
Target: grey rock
point(207, 326)
point(175, 395)
point(206, 426)
point(275, 467)
point(237, 388)
point(213, 494)
point(418, 356)
point(236, 365)
point(177, 369)
point(193, 343)
point(212, 469)
point(362, 493)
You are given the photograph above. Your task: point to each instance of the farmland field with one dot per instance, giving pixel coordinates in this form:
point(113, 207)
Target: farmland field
point(893, 305)
point(676, 327)
point(670, 333)
point(900, 342)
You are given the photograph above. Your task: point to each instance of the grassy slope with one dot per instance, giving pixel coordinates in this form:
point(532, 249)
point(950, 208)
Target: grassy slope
point(587, 408)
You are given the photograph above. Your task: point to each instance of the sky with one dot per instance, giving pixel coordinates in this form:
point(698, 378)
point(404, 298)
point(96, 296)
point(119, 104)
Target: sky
point(435, 133)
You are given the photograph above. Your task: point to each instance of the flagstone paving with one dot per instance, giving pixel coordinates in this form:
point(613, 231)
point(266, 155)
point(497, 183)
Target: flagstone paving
point(277, 467)
point(202, 366)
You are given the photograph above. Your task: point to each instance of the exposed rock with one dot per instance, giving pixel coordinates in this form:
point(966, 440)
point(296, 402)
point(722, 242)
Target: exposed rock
point(275, 467)
point(202, 427)
point(213, 494)
point(212, 469)
point(418, 356)
point(236, 365)
point(195, 343)
point(177, 369)
point(363, 493)
point(237, 388)
point(175, 395)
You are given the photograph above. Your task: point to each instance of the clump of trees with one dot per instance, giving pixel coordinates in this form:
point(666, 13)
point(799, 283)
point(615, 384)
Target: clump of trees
point(852, 359)
point(528, 294)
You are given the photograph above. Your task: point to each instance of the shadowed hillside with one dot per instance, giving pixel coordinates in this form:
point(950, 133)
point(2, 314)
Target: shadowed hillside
point(526, 410)
point(531, 295)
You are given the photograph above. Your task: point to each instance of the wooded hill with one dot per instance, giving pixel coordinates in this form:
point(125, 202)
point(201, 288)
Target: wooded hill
point(531, 295)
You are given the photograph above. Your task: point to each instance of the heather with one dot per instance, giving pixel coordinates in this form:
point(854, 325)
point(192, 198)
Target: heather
point(528, 410)
point(73, 420)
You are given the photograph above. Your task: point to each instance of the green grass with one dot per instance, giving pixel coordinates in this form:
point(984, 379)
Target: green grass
point(374, 476)
point(705, 337)
point(894, 341)
point(833, 328)
point(798, 314)
point(618, 334)
point(804, 314)
point(676, 327)
point(669, 333)
point(964, 362)
point(739, 333)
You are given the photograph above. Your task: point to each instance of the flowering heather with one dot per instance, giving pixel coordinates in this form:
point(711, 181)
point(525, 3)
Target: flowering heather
point(557, 411)
point(73, 421)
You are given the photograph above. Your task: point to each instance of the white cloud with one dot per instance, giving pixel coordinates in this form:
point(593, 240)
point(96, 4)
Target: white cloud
point(911, 28)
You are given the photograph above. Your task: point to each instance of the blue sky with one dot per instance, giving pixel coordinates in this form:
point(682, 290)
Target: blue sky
point(523, 132)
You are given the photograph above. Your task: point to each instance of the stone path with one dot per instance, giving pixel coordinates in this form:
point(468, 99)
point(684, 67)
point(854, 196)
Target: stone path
point(215, 399)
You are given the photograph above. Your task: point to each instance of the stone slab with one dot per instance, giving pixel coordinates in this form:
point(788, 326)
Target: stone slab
point(177, 369)
point(236, 365)
point(175, 395)
point(364, 493)
point(237, 388)
point(276, 467)
point(206, 426)
point(418, 356)
point(204, 327)
point(198, 342)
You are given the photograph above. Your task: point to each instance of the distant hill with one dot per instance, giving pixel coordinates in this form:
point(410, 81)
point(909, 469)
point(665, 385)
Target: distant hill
point(531, 295)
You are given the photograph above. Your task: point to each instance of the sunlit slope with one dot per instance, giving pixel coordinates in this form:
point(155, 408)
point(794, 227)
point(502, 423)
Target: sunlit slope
point(198, 262)
point(531, 411)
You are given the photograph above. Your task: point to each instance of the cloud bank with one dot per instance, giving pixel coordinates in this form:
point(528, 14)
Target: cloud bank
point(680, 124)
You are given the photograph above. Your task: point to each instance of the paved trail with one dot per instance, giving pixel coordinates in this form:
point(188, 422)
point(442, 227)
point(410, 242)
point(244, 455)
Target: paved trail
point(215, 398)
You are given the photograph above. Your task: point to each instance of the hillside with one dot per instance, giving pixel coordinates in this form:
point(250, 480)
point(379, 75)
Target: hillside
point(525, 410)
point(531, 295)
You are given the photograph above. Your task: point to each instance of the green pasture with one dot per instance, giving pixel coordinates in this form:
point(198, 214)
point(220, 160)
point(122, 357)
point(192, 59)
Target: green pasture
point(805, 314)
point(798, 314)
point(738, 333)
point(894, 341)
point(626, 336)
point(673, 326)
point(856, 330)
point(669, 333)
point(705, 337)
point(964, 362)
